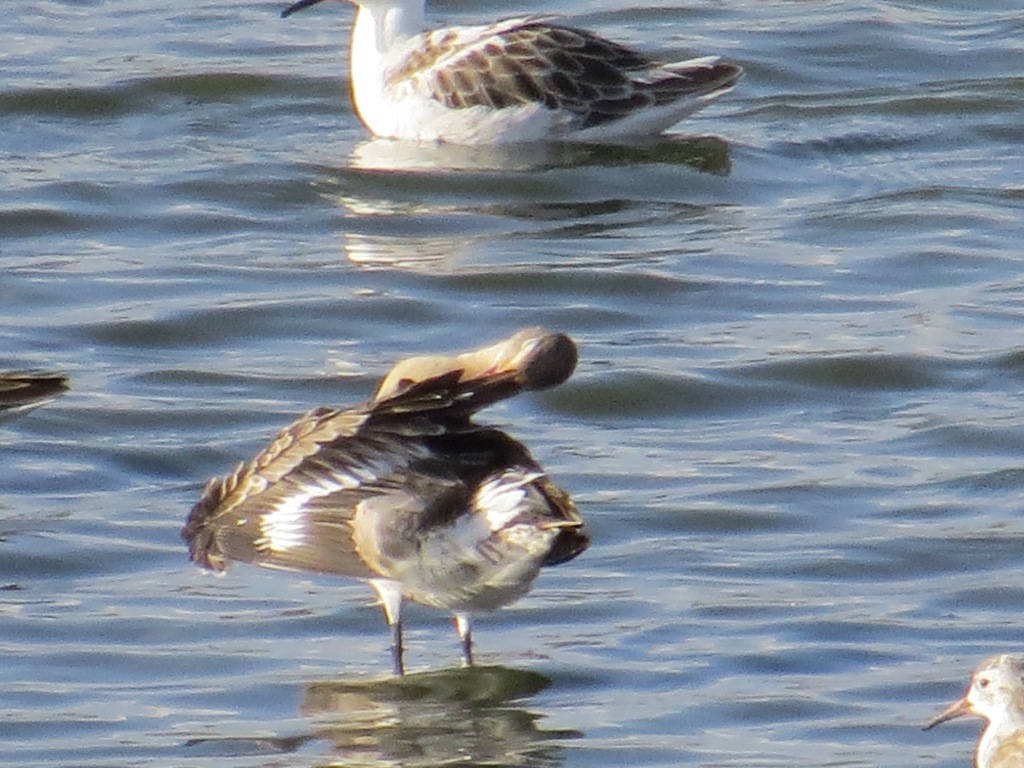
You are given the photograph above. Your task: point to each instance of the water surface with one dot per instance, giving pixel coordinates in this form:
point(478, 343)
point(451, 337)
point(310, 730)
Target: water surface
point(795, 431)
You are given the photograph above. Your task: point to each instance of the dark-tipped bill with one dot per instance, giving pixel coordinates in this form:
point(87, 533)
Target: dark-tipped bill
point(297, 7)
point(958, 708)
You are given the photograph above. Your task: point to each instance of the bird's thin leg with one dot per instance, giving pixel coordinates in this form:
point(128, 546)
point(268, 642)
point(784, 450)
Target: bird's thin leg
point(390, 594)
point(464, 626)
point(397, 664)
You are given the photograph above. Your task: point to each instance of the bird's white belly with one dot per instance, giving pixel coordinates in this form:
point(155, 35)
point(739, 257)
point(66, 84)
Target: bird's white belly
point(465, 568)
point(414, 117)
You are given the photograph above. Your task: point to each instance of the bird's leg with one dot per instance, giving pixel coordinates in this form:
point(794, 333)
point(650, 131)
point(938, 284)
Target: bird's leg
point(397, 664)
point(390, 594)
point(464, 626)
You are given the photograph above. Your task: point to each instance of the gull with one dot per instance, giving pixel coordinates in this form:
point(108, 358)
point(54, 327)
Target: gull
point(525, 79)
point(995, 693)
point(405, 491)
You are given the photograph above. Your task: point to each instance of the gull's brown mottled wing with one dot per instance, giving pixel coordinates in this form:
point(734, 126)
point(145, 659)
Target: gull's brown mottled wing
point(535, 61)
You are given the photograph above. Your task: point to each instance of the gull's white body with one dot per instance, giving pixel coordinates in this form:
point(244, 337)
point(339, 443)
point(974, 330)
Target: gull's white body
point(380, 41)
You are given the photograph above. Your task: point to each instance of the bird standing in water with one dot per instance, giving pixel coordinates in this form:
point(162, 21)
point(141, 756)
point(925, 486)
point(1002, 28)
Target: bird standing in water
point(406, 491)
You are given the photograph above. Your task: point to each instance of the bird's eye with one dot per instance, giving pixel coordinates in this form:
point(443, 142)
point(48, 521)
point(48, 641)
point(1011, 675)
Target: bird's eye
point(983, 682)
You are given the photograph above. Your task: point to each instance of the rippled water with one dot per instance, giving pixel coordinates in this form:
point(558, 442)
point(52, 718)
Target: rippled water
point(796, 430)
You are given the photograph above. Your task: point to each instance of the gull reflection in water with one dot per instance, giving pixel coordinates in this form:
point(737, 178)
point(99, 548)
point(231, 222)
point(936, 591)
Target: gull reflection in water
point(706, 154)
point(434, 208)
point(414, 252)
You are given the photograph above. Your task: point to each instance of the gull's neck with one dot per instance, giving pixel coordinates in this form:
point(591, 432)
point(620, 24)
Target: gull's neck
point(379, 26)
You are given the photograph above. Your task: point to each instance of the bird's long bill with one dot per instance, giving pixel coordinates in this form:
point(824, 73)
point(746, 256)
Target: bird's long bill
point(958, 708)
point(297, 7)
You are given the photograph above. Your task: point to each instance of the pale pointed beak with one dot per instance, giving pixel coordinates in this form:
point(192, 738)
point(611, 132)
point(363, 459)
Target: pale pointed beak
point(958, 708)
point(297, 7)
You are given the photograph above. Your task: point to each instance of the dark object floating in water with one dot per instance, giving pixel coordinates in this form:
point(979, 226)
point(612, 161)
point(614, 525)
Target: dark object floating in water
point(405, 491)
point(21, 392)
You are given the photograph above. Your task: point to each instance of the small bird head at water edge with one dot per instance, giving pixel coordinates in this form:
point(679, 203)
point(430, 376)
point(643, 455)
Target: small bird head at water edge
point(996, 688)
point(996, 694)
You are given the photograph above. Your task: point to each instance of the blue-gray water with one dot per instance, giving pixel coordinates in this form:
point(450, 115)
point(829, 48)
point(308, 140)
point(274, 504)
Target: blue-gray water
point(797, 428)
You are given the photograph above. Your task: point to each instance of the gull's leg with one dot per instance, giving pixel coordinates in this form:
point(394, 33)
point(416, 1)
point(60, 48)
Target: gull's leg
point(390, 594)
point(464, 626)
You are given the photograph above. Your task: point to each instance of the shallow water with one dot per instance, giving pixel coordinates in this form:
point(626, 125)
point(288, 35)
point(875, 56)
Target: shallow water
point(795, 431)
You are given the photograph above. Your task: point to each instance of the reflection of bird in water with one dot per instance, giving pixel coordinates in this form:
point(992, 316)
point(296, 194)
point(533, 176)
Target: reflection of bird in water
point(526, 79)
point(406, 491)
point(20, 392)
point(996, 693)
point(474, 716)
point(705, 154)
